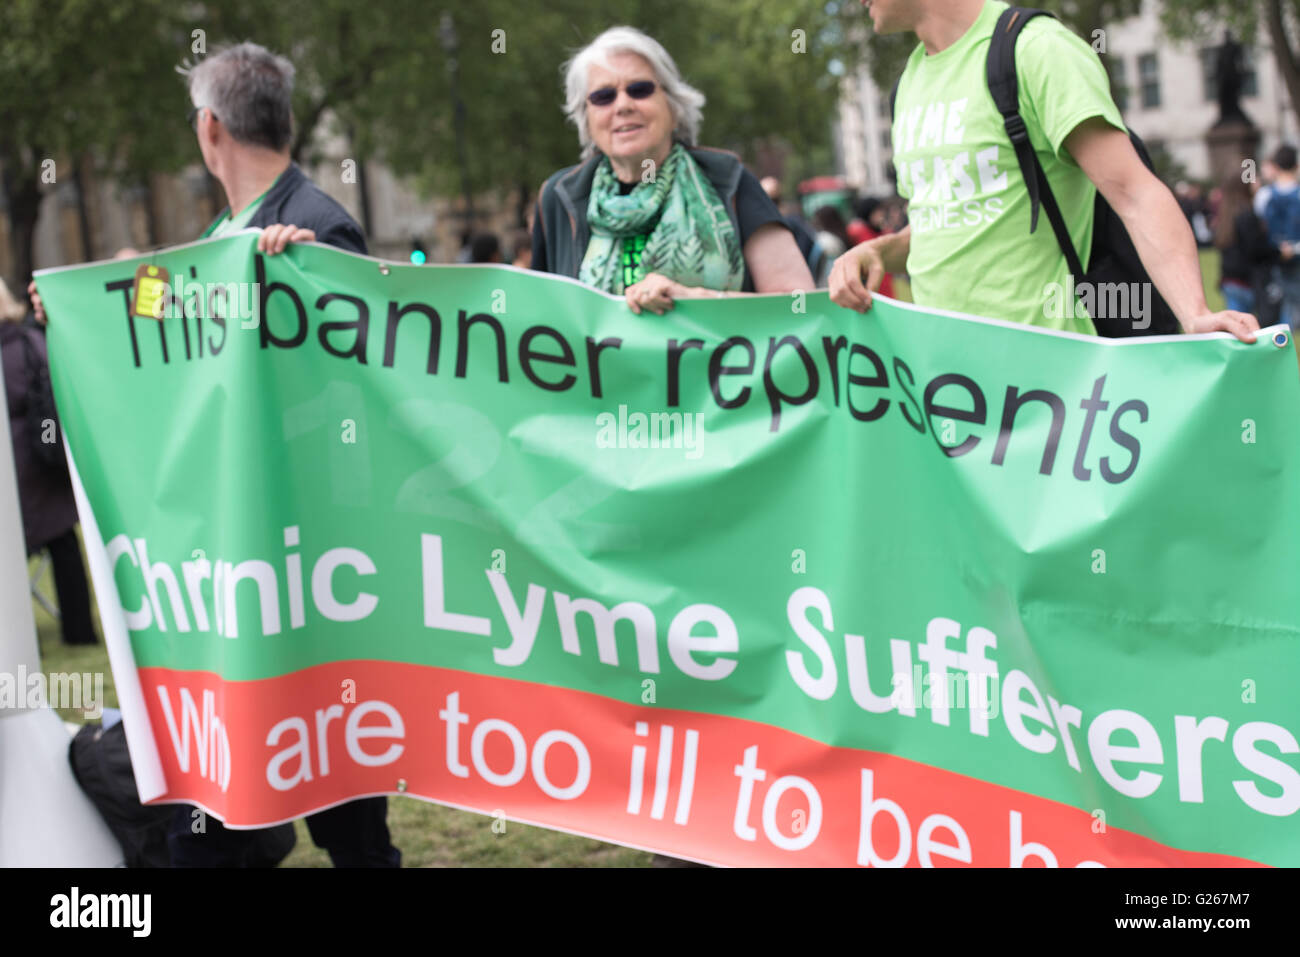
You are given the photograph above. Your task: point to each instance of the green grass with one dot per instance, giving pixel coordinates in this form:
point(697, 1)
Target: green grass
point(1210, 264)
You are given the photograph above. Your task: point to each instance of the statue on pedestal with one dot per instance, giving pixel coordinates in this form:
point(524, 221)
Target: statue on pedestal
point(1234, 138)
point(1228, 62)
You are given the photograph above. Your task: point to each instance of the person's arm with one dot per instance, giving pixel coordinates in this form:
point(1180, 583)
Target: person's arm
point(771, 252)
point(773, 259)
point(859, 272)
point(1156, 224)
point(775, 262)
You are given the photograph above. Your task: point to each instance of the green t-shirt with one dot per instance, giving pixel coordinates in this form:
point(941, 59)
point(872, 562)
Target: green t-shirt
point(971, 249)
point(633, 253)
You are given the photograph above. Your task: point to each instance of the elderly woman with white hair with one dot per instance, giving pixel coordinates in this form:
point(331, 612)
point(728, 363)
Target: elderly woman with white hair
point(648, 214)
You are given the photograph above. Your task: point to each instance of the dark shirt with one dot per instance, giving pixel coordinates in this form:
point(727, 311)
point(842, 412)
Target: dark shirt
point(1251, 251)
point(296, 200)
point(754, 208)
point(44, 490)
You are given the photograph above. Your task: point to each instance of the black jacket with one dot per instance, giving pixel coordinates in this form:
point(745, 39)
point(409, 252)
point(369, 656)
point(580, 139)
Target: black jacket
point(44, 491)
point(296, 200)
point(1251, 252)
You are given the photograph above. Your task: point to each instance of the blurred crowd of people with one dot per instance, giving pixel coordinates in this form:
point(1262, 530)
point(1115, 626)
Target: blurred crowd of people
point(827, 236)
point(1254, 223)
point(821, 239)
point(49, 512)
point(487, 247)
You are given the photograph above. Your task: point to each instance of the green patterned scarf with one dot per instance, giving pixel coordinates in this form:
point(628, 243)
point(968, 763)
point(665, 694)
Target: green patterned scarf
point(687, 234)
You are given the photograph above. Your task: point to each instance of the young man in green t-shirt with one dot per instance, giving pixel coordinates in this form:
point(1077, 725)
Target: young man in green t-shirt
point(968, 247)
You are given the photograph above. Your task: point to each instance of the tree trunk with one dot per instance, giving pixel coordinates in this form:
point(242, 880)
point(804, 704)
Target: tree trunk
point(521, 205)
point(363, 187)
point(1283, 53)
point(83, 211)
point(22, 186)
point(150, 213)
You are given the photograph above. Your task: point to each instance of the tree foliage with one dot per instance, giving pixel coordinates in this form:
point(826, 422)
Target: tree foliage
point(383, 71)
point(887, 55)
point(86, 79)
point(98, 77)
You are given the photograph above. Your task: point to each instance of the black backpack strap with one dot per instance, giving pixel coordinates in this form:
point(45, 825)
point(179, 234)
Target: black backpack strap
point(1004, 86)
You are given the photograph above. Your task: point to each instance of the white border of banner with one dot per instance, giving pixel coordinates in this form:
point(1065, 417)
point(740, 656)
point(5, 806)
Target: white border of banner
point(145, 762)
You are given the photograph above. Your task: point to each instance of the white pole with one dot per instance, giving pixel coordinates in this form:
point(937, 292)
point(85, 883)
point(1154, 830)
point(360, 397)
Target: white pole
point(45, 819)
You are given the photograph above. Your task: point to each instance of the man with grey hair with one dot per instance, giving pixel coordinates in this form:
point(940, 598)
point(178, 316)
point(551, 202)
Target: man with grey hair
point(243, 118)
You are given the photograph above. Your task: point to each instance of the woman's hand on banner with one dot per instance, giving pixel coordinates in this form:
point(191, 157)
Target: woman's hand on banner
point(275, 238)
point(656, 293)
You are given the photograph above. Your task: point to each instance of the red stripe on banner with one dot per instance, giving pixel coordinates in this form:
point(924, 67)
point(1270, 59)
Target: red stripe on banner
point(717, 789)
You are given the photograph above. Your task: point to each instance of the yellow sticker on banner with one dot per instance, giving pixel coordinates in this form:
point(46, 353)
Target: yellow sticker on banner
point(150, 291)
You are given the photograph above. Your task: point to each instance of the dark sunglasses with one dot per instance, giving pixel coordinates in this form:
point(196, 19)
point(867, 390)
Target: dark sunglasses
point(639, 90)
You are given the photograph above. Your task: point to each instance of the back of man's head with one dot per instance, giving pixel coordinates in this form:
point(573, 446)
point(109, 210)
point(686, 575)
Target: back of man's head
point(249, 91)
point(485, 248)
point(1285, 159)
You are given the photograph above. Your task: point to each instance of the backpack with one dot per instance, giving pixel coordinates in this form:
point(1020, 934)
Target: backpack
point(1112, 258)
point(1282, 214)
point(101, 764)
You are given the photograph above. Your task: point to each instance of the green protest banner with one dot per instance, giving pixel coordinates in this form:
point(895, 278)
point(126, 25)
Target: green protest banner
point(760, 581)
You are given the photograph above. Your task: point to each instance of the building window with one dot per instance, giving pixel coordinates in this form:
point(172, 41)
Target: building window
point(884, 138)
point(1210, 73)
point(1117, 69)
point(882, 106)
point(1149, 79)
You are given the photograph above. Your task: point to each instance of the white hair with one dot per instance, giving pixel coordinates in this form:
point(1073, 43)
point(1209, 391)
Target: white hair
point(684, 100)
point(250, 90)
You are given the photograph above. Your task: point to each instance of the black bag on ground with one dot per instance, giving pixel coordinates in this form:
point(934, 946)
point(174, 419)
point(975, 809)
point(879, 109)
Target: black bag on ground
point(101, 764)
point(1112, 260)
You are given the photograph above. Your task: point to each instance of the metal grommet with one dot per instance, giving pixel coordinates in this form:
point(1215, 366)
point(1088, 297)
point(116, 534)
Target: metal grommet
point(401, 784)
point(1280, 339)
point(383, 269)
